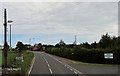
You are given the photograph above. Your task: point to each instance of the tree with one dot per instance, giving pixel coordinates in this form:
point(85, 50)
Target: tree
point(39, 46)
point(94, 45)
point(20, 46)
point(61, 43)
point(105, 41)
point(85, 45)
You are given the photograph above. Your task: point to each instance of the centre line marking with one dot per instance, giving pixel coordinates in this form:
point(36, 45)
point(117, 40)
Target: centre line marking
point(48, 65)
point(50, 70)
point(71, 69)
point(68, 66)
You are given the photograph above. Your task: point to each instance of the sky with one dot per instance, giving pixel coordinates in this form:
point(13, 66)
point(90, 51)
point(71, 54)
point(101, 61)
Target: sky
point(49, 22)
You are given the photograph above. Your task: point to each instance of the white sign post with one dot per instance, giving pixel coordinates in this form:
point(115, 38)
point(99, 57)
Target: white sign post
point(108, 56)
point(20, 58)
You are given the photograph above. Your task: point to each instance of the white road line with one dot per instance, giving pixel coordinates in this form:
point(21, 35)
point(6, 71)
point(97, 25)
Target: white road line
point(50, 70)
point(75, 72)
point(45, 60)
point(58, 60)
point(75, 69)
point(71, 69)
point(48, 65)
point(33, 61)
point(68, 66)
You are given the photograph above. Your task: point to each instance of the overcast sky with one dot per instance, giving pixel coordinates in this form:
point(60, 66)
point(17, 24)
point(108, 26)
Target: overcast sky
point(48, 22)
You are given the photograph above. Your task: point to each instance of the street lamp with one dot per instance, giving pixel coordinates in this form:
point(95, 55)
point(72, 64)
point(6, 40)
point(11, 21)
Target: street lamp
point(10, 32)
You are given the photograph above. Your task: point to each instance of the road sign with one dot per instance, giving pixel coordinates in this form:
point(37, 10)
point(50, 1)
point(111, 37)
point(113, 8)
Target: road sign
point(108, 55)
point(20, 58)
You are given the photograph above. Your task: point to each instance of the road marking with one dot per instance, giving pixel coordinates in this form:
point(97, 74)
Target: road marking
point(71, 69)
point(50, 70)
point(58, 60)
point(75, 72)
point(33, 61)
point(78, 72)
point(48, 65)
point(68, 66)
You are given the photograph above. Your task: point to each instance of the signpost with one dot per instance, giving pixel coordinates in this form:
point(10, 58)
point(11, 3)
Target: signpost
point(108, 56)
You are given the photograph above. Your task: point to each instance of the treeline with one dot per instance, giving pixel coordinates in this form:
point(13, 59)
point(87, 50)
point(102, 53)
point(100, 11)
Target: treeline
point(92, 53)
point(20, 46)
point(105, 42)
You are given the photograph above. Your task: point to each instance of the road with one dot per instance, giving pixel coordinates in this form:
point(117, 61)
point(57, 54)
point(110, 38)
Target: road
point(50, 64)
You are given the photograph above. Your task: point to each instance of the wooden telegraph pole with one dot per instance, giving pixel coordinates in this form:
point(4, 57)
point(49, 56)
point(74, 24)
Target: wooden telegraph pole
point(5, 42)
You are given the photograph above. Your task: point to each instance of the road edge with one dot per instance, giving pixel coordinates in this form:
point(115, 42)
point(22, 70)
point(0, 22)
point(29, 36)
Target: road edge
point(31, 66)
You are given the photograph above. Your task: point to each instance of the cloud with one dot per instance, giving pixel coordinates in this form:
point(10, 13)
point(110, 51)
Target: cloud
point(88, 19)
point(59, 0)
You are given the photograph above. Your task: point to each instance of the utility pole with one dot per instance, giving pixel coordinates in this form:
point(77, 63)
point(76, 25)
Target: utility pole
point(30, 41)
point(75, 41)
point(5, 42)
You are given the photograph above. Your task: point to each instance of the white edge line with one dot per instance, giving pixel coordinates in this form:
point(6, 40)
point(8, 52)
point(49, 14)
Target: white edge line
point(67, 65)
point(75, 72)
point(33, 61)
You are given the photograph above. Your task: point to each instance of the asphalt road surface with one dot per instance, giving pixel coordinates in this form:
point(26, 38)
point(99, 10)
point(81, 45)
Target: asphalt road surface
point(0, 71)
point(46, 64)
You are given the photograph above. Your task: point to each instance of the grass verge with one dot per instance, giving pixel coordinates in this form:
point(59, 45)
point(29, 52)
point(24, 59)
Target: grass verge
point(25, 65)
point(93, 64)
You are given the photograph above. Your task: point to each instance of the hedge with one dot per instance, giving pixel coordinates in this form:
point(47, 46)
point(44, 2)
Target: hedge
point(87, 55)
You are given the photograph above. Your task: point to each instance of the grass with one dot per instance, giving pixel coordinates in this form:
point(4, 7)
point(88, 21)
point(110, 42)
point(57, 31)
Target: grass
point(28, 56)
point(92, 64)
point(13, 63)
